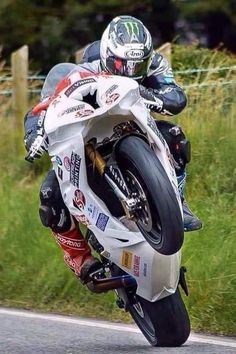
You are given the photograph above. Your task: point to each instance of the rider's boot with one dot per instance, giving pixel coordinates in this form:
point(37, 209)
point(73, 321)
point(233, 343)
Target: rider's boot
point(191, 221)
point(77, 253)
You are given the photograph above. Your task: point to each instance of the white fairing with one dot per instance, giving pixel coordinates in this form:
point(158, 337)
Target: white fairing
point(70, 123)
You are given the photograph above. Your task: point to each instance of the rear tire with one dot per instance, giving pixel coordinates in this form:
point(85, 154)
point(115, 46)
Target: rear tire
point(165, 323)
point(159, 219)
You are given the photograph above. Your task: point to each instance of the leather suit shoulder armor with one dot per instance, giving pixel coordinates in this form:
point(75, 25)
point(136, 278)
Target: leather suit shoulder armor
point(91, 52)
point(158, 65)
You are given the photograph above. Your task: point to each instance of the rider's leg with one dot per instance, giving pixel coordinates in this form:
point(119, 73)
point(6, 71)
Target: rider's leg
point(180, 149)
point(54, 214)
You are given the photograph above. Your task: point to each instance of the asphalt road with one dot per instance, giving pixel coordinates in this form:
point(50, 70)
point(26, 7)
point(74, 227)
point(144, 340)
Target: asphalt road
point(25, 332)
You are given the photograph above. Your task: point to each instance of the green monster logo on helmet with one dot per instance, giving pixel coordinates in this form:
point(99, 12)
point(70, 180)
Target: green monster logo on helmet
point(132, 28)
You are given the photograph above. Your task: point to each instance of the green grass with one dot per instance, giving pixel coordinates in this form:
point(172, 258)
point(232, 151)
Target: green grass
point(32, 272)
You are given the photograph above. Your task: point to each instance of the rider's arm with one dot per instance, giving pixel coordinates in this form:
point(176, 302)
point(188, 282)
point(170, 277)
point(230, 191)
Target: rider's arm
point(159, 85)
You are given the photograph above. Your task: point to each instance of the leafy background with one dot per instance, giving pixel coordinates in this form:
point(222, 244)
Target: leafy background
point(54, 30)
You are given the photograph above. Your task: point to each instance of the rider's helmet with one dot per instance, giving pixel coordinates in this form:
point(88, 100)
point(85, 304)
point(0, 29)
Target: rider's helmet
point(126, 47)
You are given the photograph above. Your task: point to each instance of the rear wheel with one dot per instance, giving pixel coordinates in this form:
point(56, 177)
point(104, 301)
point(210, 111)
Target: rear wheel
point(165, 323)
point(159, 216)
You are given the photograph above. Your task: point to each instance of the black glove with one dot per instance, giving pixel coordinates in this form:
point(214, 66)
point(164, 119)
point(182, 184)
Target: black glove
point(36, 141)
point(151, 101)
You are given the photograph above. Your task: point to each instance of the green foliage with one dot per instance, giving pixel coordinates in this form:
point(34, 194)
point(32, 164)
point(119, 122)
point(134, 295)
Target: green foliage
point(192, 9)
point(32, 273)
point(55, 30)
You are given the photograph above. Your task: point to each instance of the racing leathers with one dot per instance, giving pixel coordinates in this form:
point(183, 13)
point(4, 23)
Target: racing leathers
point(164, 96)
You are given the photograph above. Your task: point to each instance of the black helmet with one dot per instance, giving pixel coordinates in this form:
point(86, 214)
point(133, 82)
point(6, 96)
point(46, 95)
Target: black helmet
point(126, 47)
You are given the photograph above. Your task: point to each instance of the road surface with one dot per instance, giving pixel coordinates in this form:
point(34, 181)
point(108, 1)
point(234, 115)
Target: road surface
point(26, 332)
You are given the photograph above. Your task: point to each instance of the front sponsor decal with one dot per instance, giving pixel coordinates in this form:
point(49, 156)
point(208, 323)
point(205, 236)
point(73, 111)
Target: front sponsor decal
point(112, 98)
point(79, 200)
point(144, 269)
point(109, 91)
point(60, 173)
point(75, 162)
point(126, 259)
point(67, 163)
point(82, 219)
point(101, 222)
point(55, 102)
point(71, 109)
point(58, 160)
point(92, 211)
point(77, 84)
point(136, 265)
point(84, 113)
point(152, 124)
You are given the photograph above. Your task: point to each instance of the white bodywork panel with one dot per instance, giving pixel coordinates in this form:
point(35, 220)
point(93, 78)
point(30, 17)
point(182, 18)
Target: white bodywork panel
point(69, 124)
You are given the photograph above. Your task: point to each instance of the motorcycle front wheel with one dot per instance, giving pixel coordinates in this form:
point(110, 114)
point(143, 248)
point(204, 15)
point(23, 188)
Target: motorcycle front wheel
point(159, 217)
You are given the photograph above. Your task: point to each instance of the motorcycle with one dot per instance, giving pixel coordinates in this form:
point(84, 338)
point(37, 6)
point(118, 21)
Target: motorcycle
point(117, 177)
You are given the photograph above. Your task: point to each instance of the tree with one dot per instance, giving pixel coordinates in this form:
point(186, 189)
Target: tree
point(218, 18)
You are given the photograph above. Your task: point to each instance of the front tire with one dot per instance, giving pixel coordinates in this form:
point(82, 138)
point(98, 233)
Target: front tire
point(159, 219)
point(165, 323)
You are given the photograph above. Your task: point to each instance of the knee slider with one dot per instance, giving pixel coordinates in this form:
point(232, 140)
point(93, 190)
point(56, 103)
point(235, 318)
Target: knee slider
point(58, 220)
point(47, 216)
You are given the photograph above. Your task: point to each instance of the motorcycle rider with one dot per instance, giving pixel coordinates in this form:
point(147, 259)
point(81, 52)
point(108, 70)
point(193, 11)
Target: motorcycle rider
point(125, 49)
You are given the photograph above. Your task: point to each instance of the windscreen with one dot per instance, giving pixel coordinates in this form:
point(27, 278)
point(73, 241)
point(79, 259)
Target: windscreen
point(57, 73)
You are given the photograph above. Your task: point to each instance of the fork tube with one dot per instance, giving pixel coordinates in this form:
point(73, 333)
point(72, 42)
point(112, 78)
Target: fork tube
point(95, 157)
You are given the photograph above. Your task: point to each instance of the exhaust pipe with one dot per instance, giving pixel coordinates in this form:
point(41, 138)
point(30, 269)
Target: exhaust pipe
point(103, 285)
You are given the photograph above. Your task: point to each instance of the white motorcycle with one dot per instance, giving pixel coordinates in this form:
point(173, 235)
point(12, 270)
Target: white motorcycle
point(117, 177)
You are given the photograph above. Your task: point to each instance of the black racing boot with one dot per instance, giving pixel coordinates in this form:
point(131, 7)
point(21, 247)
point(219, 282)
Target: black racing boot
point(191, 221)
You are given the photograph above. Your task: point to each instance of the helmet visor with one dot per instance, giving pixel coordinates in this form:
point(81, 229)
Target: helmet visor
point(126, 67)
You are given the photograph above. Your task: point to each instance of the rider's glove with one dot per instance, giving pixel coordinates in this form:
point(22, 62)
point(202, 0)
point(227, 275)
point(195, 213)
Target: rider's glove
point(36, 142)
point(151, 101)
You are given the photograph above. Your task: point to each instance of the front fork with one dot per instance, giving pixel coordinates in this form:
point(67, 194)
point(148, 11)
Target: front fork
point(115, 179)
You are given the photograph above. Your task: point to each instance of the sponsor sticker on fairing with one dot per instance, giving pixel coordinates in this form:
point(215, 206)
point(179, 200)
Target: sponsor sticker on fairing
point(84, 113)
point(82, 219)
point(60, 173)
point(79, 200)
point(71, 110)
point(102, 221)
point(92, 211)
point(136, 265)
point(126, 259)
point(112, 98)
point(77, 84)
point(109, 91)
point(58, 160)
point(145, 269)
point(67, 163)
point(152, 124)
point(55, 102)
point(75, 162)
